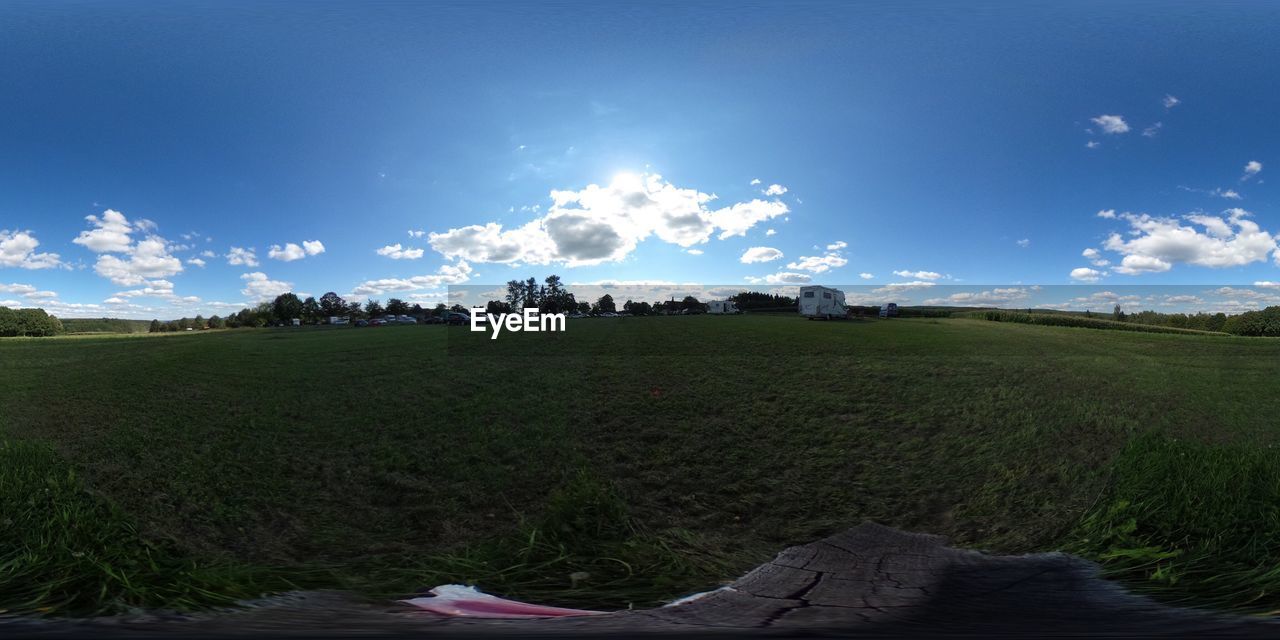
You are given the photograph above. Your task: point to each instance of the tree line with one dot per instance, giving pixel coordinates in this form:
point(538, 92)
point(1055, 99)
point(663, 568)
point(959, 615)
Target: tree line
point(31, 323)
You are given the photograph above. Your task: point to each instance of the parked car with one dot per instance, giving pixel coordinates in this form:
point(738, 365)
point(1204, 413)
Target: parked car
point(407, 320)
point(377, 322)
point(456, 318)
point(434, 320)
point(361, 323)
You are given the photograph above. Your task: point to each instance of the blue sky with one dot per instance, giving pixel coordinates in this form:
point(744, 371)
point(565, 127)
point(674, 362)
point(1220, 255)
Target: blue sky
point(937, 148)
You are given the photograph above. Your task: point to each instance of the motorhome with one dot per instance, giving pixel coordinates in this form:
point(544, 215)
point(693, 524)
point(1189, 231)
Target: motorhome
point(821, 302)
point(722, 307)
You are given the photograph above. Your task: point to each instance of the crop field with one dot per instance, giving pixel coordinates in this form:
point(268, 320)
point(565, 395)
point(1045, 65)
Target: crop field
point(626, 461)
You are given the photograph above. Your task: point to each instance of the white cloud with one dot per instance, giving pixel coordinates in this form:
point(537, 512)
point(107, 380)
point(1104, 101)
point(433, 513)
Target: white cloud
point(208, 254)
point(1024, 243)
point(770, 232)
point(397, 252)
point(20, 289)
point(1085, 274)
point(1135, 264)
point(153, 289)
point(1170, 101)
point(693, 252)
point(1109, 214)
point(919, 275)
point(1111, 124)
point(18, 249)
point(1152, 130)
point(818, 264)
point(446, 275)
point(416, 233)
point(605, 223)
point(147, 258)
point(1229, 194)
point(865, 276)
point(1251, 169)
point(759, 254)
point(775, 190)
point(755, 181)
point(245, 257)
point(1095, 257)
point(196, 261)
point(989, 298)
point(109, 235)
point(1155, 244)
point(1092, 144)
point(783, 277)
point(291, 251)
point(259, 287)
point(837, 245)
point(897, 287)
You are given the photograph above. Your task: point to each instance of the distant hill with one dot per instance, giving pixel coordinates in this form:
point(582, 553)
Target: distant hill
point(105, 325)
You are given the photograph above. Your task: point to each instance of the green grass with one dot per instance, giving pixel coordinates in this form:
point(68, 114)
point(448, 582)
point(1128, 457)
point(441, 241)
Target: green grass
point(62, 549)
point(1195, 523)
point(657, 456)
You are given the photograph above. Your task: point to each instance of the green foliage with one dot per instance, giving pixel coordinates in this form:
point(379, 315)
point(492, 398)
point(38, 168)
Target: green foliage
point(1191, 522)
point(1072, 320)
point(755, 300)
point(286, 308)
point(1255, 323)
point(63, 550)
point(104, 325)
point(398, 307)
point(604, 305)
point(30, 323)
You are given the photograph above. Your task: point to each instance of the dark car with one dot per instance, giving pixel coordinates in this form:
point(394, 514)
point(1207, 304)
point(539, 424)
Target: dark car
point(361, 323)
point(457, 319)
point(434, 320)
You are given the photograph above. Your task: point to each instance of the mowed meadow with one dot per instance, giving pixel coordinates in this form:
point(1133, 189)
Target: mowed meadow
point(625, 462)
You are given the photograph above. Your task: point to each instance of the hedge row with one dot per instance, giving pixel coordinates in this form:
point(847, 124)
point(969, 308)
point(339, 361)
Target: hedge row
point(1065, 320)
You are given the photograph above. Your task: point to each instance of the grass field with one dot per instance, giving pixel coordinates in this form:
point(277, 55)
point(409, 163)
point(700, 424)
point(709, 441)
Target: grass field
point(626, 461)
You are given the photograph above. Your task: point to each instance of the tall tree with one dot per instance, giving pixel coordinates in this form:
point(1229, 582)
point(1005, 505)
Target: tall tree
point(398, 307)
point(331, 304)
point(286, 307)
point(310, 311)
point(515, 293)
point(373, 308)
point(530, 293)
point(605, 304)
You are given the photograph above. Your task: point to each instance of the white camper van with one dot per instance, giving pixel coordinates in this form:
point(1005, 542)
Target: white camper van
point(722, 307)
point(821, 302)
